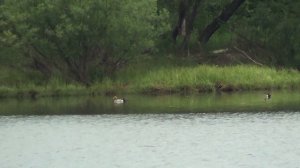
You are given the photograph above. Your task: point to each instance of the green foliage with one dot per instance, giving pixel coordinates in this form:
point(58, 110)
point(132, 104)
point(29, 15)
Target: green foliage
point(91, 41)
point(77, 38)
point(273, 25)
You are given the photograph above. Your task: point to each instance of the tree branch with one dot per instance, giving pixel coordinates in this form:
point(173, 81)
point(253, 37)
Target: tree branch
point(247, 56)
point(224, 16)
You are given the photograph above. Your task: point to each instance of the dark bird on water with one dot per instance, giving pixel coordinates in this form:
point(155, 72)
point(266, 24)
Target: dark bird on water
point(268, 96)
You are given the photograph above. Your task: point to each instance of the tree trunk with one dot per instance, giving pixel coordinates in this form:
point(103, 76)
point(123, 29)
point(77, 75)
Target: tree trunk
point(182, 12)
point(222, 18)
point(190, 23)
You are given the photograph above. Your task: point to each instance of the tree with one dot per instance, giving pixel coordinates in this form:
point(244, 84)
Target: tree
point(80, 38)
point(226, 13)
point(188, 13)
point(273, 26)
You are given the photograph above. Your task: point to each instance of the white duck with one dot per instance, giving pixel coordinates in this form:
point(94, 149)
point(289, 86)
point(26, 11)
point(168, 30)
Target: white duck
point(118, 101)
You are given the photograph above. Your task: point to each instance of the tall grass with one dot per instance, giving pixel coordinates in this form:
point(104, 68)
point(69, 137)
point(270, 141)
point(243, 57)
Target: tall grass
point(52, 88)
point(205, 78)
point(161, 78)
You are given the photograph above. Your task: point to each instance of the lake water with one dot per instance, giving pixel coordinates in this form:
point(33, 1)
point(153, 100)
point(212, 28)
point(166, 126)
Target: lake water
point(213, 130)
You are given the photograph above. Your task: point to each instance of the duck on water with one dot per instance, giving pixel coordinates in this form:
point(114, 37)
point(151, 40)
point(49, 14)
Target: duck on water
point(118, 100)
point(268, 96)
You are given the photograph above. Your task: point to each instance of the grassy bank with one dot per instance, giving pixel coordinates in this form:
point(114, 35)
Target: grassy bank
point(212, 78)
point(170, 79)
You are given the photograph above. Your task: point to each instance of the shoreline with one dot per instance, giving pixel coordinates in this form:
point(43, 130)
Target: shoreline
point(37, 93)
point(171, 80)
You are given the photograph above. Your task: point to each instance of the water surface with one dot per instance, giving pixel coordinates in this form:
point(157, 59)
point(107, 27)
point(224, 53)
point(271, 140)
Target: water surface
point(239, 130)
point(144, 104)
point(151, 140)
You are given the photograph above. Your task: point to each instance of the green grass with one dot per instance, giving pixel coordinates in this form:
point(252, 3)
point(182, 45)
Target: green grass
point(43, 91)
point(206, 78)
point(169, 78)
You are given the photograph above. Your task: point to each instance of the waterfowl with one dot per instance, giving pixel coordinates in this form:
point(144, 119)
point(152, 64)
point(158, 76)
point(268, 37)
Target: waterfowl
point(267, 96)
point(118, 101)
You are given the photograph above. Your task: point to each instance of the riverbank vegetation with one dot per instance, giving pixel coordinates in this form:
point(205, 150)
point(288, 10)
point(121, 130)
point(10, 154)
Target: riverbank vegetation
point(168, 80)
point(66, 47)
